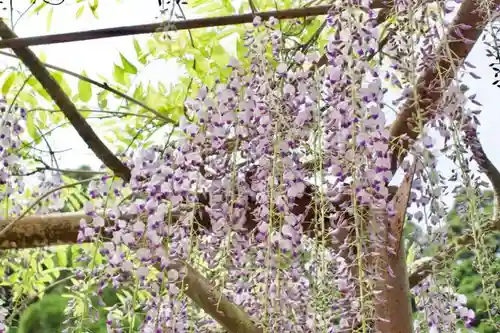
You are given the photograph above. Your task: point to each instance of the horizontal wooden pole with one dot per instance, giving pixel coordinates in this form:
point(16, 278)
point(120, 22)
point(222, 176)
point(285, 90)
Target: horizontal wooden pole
point(42, 230)
point(169, 26)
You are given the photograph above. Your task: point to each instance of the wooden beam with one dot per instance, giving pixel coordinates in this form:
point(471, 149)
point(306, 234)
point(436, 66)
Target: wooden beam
point(170, 26)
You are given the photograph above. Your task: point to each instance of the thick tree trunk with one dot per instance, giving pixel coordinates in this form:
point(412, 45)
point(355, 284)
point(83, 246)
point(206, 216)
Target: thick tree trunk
point(393, 311)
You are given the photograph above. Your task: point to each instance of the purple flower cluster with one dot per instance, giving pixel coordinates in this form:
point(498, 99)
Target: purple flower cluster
point(441, 309)
point(12, 121)
point(227, 196)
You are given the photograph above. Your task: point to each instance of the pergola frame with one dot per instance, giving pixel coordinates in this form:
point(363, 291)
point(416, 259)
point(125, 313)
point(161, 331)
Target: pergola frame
point(55, 229)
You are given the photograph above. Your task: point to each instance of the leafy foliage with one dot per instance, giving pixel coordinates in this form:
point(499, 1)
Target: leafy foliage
point(244, 119)
point(466, 277)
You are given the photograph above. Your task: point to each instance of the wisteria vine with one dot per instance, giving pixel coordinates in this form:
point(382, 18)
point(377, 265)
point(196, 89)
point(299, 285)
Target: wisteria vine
point(224, 195)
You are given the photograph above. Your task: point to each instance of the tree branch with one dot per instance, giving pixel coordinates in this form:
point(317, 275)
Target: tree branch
point(465, 16)
point(392, 308)
point(63, 171)
point(169, 26)
point(197, 288)
point(57, 228)
point(424, 267)
point(214, 303)
point(7, 226)
point(67, 107)
point(436, 79)
point(485, 165)
point(401, 201)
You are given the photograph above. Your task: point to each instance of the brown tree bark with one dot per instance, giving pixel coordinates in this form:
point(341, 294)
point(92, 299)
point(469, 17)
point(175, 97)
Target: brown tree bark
point(212, 301)
point(392, 306)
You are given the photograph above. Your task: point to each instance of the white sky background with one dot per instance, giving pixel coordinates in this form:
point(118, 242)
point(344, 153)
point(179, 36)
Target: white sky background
point(98, 56)
point(95, 56)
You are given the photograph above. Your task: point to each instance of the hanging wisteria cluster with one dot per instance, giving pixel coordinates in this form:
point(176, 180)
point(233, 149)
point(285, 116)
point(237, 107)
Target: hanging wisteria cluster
point(12, 126)
point(239, 172)
point(253, 191)
point(13, 168)
point(12, 171)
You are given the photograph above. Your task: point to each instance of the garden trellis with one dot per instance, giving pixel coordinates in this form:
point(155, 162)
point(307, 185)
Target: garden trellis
point(393, 312)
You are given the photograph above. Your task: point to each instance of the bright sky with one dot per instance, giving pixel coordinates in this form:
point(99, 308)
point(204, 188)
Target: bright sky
point(97, 57)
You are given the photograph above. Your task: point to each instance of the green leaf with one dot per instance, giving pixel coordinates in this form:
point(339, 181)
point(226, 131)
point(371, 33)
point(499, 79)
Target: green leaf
point(49, 18)
point(311, 29)
point(202, 66)
point(7, 84)
point(212, 7)
point(228, 6)
point(84, 89)
point(127, 66)
point(56, 118)
point(42, 56)
point(411, 254)
point(228, 31)
point(75, 205)
point(42, 121)
point(137, 47)
point(98, 259)
point(191, 72)
point(196, 3)
point(62, 258)
point(94, 11)
point(220, 56)
point(30, 126)
point(81, 198)
point(132, 131)
point(39, 8)
point(392, 20)
point(119, 135)
point(102, 100)
point(79, 12)
point(162, 89)
point(141, 56)
point(33, 83)
point(28, 98)
point(138, 92)
point(119, 74)
point(58, 76)
point(94, 5)
point(48, 262)
point(153, 47)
